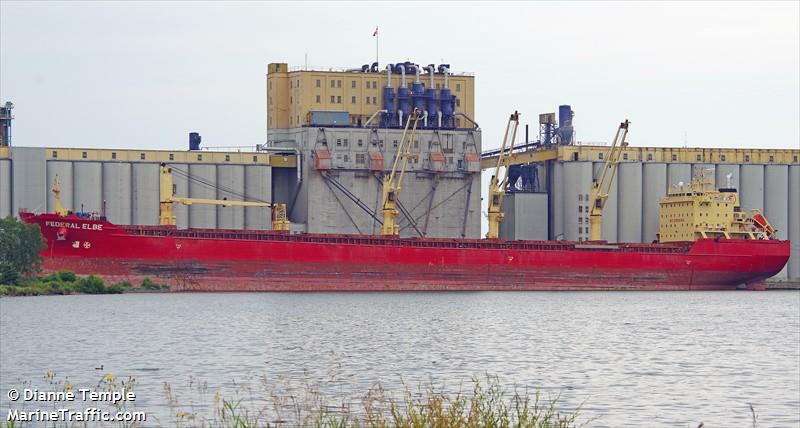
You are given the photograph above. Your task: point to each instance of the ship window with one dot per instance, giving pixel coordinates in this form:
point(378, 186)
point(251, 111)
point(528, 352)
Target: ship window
point(141, 156)
point(171, 156)
point(55, 154)
point(84, 155)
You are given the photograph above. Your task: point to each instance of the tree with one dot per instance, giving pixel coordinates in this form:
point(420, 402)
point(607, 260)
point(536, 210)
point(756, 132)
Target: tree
point(20, 245)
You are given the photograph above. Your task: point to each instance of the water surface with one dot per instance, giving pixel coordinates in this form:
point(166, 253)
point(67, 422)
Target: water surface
point(631, 358)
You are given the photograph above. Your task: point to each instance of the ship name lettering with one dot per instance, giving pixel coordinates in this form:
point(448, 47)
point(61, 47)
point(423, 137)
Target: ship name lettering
point(85, 226)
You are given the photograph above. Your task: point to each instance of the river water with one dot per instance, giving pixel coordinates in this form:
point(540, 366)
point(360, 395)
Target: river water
point(629, 358)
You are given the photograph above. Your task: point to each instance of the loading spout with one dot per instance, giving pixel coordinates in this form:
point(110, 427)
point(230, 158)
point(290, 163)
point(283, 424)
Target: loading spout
point(373, 116)
point(469, 119)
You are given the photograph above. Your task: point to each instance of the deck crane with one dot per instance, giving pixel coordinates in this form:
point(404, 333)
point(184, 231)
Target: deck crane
point(168, 199)
point(602, 185)
point(497, 188)
point(392, 183)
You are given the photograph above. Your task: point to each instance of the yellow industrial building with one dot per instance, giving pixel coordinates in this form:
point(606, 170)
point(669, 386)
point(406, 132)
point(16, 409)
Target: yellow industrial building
point(293, 95)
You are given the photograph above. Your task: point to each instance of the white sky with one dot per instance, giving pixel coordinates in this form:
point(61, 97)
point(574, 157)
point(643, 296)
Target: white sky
point(142, 75)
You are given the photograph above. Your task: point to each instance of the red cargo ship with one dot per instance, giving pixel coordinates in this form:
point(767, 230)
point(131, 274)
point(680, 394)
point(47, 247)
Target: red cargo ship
point(247, 260)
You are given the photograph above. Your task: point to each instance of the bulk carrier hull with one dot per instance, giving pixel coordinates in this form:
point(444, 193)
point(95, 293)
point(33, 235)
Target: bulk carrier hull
point(239, 260)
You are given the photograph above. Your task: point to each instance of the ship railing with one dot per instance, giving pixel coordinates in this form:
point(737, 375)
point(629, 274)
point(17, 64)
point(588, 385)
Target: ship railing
point(268, 235)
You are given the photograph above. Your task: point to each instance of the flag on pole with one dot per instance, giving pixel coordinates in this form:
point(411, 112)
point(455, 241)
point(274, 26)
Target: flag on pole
point(375, 34)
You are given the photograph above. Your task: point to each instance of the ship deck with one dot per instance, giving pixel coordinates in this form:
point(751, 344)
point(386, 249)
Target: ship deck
point(444, 243)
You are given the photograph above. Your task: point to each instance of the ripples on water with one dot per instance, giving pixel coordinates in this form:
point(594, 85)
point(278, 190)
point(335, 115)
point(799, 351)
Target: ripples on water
point(632, 358)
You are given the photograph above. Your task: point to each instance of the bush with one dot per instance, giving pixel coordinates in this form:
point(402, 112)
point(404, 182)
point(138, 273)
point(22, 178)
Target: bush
point(67, 276)
point(20, 245)
point(148, 284)
point(8, 274)
point(91, 285)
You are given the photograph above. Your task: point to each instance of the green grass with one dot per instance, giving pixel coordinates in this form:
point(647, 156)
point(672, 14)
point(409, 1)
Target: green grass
point(66, 282)
point(486, 405)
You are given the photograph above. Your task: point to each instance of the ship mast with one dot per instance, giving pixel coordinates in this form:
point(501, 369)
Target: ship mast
point(601, 186)
point(497, 188)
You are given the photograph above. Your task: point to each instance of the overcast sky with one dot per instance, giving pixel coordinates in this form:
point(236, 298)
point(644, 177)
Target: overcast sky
point(142, 75)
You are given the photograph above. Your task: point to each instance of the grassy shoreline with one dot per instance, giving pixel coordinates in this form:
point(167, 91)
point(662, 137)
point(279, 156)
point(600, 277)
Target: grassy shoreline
point(66, 282)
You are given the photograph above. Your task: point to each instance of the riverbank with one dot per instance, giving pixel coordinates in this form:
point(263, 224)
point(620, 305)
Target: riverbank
point(66, 282)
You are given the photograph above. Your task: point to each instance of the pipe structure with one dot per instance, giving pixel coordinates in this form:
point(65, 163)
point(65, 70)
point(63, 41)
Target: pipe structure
point(389, 76)
point(373, 116)
point(402, 75)
point(431, 71)
point(416, 72)
point(446, 75)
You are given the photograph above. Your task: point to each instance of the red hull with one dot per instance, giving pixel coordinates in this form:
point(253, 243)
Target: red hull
point(235, 260)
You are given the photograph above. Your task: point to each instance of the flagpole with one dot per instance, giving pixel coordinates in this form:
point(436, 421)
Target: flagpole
point(376, 45)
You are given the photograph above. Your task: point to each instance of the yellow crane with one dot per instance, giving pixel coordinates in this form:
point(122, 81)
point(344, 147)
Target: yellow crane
point(59, 209)
point(392, 184)
point(497, 188)
point(601, 186)
point(168, 199)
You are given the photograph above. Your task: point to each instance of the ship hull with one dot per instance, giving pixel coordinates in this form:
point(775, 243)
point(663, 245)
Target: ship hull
point(219, 260)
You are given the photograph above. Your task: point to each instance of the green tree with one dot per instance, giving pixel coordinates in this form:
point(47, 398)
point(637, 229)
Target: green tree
point(20, 245)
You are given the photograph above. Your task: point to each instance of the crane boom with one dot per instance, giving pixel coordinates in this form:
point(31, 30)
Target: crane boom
point(393, 184)
point(497, 187)
point(601, 186)
point(168, 199)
